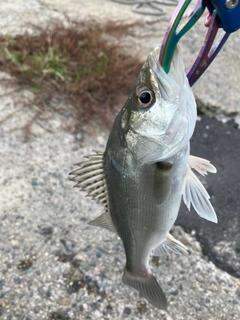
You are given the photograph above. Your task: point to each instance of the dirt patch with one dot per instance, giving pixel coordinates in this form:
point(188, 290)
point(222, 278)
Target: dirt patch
point(84, 64)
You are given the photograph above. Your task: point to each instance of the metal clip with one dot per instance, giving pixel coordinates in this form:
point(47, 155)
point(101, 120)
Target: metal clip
point(228, 12)
point(172, 36)
point(209, 49)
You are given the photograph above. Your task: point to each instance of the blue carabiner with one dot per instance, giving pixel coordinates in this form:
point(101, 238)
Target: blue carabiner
point(228, 12)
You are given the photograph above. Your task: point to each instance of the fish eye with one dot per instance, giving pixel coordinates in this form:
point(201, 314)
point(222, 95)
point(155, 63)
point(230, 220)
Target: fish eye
point(144, 97)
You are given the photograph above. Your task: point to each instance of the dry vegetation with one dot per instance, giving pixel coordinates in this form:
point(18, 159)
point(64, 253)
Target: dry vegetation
point(83, 64)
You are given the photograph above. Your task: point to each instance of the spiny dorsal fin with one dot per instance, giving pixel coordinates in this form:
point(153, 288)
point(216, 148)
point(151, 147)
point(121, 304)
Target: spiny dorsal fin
point(194, 193)
point(90, 177)
point(169, 245)
point(202, 166)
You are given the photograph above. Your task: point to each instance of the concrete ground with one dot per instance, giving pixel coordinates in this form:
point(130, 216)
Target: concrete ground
point(53, 264)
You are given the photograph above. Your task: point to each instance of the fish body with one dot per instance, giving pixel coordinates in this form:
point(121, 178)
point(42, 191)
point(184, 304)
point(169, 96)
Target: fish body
point(146, 170)
point(144, 203)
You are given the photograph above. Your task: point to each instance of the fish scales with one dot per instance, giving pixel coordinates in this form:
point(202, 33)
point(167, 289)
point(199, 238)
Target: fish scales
point(142, 219)
point(146, 170)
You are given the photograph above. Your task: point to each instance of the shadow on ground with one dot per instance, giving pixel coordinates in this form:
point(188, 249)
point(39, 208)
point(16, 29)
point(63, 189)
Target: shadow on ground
point(218, 143)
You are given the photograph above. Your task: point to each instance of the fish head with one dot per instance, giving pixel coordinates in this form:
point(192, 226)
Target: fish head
point(159, 116)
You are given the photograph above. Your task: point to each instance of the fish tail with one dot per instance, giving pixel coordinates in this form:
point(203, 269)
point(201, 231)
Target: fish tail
point(148, 287)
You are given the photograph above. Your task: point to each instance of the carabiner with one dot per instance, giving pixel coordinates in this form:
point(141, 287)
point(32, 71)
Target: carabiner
point(228, 12)
point(209, 49)
point(172, 36)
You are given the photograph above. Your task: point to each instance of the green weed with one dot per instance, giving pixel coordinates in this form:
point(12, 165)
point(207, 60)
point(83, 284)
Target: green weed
point(75, 63)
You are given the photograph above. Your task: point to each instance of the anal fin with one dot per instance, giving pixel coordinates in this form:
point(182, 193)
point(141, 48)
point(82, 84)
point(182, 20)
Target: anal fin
point(169, 245)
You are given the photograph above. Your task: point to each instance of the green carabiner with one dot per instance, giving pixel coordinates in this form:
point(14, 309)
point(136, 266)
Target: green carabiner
point(172, 37)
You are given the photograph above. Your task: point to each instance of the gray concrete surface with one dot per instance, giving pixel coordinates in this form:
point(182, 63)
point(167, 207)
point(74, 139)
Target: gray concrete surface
point(53, 265)
point(219, 86)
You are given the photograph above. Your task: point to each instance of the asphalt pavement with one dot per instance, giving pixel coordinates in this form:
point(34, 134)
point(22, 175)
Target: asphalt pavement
point(220, 242)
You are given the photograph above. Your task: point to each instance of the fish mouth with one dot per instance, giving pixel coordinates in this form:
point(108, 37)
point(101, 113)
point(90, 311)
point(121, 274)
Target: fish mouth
point(168, 84)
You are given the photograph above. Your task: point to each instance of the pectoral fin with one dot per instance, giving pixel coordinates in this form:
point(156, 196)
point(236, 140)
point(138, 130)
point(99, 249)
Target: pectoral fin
point(168, 245)
point(194, 193)
point(162, 181)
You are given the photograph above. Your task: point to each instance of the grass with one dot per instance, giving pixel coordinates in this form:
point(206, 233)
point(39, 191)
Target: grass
point(85, 64)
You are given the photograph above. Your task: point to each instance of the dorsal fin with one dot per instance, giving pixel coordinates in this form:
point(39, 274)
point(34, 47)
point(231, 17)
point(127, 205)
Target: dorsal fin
point(90, 177)
point(104, 221)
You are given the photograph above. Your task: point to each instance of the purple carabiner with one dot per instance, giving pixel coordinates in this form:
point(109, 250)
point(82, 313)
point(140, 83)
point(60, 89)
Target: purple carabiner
point(210, 47)
point(208, 51)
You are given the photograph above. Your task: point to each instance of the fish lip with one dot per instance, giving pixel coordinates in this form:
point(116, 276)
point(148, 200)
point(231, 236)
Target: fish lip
point(162, 78)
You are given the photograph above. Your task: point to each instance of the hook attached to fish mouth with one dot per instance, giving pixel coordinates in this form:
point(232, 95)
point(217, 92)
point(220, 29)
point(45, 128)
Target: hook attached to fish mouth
point(209, 49)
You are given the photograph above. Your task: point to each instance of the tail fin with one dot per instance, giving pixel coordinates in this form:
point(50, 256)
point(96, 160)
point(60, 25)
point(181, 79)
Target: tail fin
point(148, 288)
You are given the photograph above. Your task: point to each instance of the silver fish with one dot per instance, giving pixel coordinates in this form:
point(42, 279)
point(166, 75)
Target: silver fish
point(145, 171)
